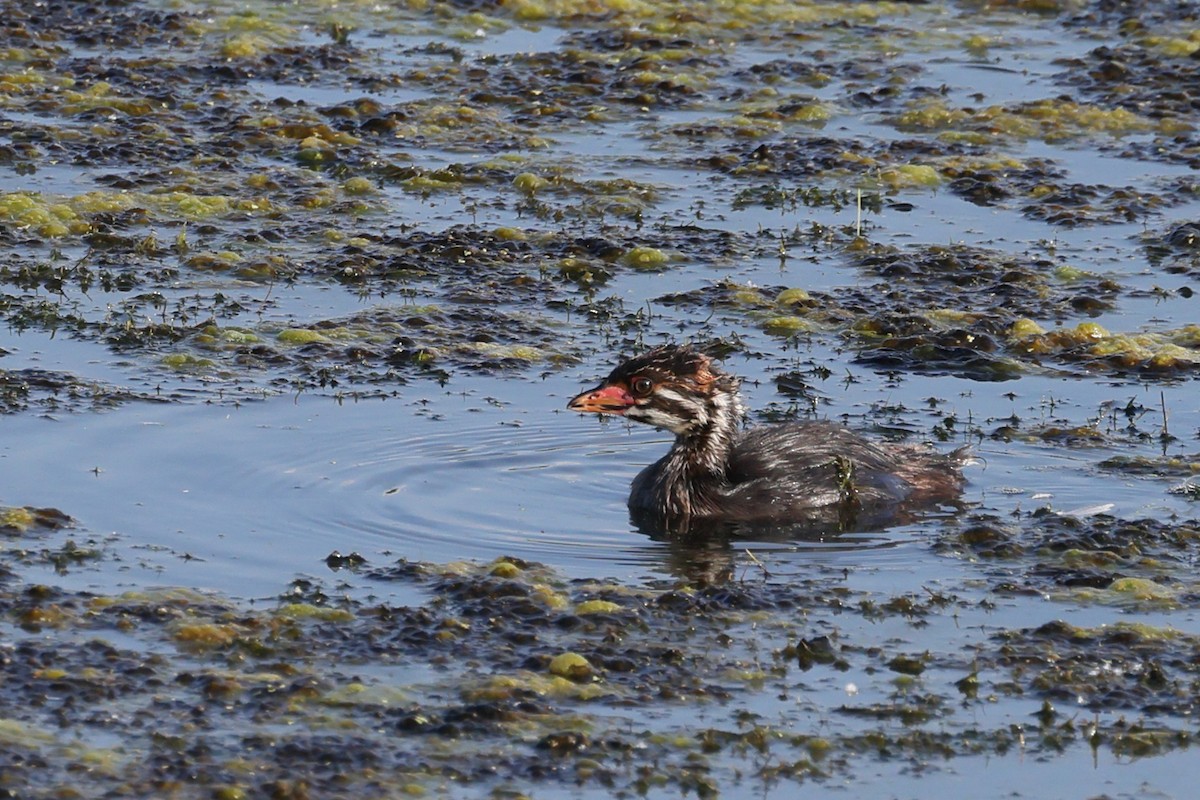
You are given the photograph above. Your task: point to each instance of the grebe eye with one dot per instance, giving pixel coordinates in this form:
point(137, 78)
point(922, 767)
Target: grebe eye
point(642, 386)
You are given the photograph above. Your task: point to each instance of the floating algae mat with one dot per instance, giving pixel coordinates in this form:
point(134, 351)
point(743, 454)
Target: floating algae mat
point(292, 298)
point(511, 676)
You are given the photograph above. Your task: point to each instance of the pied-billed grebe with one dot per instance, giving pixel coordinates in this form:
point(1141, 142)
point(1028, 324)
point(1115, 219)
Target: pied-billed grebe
point(717, 475)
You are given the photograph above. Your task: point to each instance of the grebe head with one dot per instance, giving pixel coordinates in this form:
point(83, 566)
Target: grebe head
point(674, 387)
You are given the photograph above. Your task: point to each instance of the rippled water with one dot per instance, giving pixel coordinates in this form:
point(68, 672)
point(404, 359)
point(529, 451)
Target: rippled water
point(233, 498)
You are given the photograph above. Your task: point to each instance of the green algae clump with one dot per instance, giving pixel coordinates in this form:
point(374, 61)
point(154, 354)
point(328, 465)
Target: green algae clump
point(787, 326)
point(301, 336)
point(518, 352)
point(363, 694)
point(49, 219)
point(1128, 592)
point(911, 176)
point(358, 186)
point(505, 687)
point(1025, 328)
point(791, 297)
point(597, 607)
point(245, 46)
point(1175, 46)
point(205, 635)
point(184, 361)
point(529, 183)
point(16, 519)
point(310, 611)
point(15, 733)
point(509, 234)
point(194, 206)
point(1050, 120)
point(229, 792)
point(645, 258)
point(1141, 589)
point(551, 598)
point(234, 336)
point(571, 666)
point(504, 569)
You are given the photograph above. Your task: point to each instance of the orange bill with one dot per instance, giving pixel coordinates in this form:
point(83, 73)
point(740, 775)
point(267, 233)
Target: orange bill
point(603, 400)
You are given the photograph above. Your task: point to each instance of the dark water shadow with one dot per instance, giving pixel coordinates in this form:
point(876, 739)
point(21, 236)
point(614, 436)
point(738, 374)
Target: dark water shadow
point(715, 553)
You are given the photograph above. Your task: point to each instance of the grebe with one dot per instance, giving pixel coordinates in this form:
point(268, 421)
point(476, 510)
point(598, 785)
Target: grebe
point(718, 475)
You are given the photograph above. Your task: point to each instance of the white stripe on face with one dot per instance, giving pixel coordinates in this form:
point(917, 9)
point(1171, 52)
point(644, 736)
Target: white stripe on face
point(668, 409)
point(657, 417)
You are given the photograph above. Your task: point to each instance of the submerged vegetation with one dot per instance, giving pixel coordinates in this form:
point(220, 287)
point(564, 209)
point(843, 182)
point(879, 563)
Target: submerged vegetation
point(203, 157)
point(510, 673)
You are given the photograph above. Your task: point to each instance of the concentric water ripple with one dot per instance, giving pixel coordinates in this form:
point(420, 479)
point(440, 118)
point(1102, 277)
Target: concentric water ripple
point(199, 506)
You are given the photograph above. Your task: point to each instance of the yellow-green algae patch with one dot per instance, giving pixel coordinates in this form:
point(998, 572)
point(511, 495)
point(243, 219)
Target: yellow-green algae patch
point(229, 792)
point(314, 612)
point(907, 176)
point(17, 82)
point(504, 687)
point(358, 186)
point(510, 234)
point(50, 217)
point(206, 635)
point(15, 733)
point(550, 596)
point(1076, 557)
point(215, 337)
point(1138, 630)
point(520, 352)
point(301, 336)
point(101, 95)
point(1050, 120)
point(1136, 592)
point(51, 615)
point(245, 46)
point(1159, 351)
point(746, 674)
point(186, 361)
point(793, 296)
point(951, 316)
point(746, 295)
point(218, 261)
point(787, 325)
point(243, 20)
point(1070, 274)
point(706, 19)
point(1142, 589)
point(174, 596)
point(597, 607)
point(427, 183)
point(245, 34)
point(571, 666)
point(1142, 465)
point(530, 183)
point(366, 694)
point(1025, 328)
point(16, 519)
point(645, 258)
point(1175, 46)
point(503, 568)
point(55, 216)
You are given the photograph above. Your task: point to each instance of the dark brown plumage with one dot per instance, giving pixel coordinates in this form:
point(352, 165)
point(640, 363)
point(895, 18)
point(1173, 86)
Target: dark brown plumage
point(717, 475)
